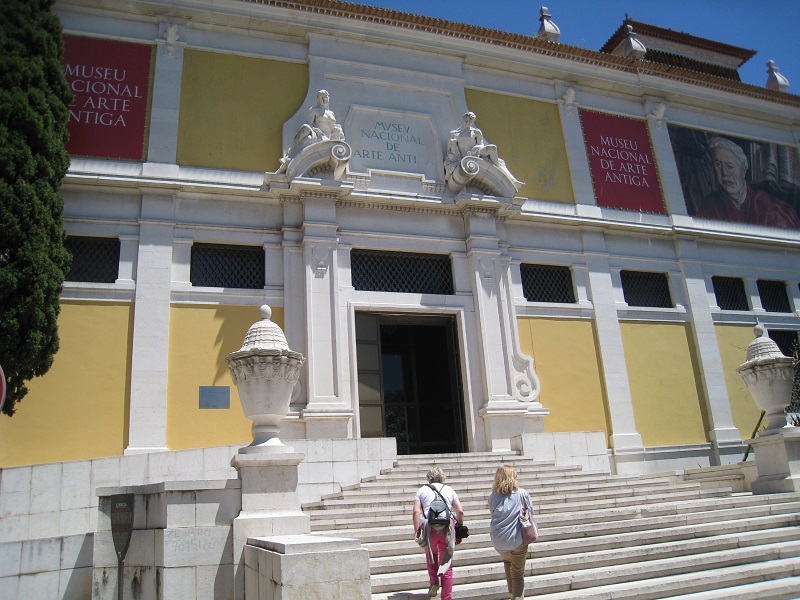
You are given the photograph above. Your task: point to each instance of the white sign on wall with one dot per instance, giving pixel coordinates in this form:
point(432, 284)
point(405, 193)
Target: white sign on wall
point(393, 141)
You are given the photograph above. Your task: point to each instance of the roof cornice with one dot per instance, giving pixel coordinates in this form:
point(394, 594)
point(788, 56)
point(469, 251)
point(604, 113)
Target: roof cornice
point(515, 41)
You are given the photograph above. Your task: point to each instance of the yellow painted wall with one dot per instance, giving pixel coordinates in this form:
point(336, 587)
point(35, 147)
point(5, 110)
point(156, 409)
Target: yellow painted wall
point(77, 410)
point(529, 138)
point(666, 388)
point(233, 109)
point(733, 341)
point(200, 337)
point(566, 361)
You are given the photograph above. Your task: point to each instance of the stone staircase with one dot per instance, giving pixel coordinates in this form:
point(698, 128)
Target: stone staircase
point(601, 536)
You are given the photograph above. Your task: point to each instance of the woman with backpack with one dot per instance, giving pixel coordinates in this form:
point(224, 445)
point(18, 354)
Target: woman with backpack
point(436, 510)
point(505, 531)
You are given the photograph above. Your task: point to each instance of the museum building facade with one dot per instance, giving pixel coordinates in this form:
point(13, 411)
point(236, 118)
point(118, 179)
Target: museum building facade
point(470, 235)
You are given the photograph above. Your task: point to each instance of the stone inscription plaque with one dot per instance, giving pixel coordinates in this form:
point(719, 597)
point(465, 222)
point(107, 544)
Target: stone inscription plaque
point(393, 141)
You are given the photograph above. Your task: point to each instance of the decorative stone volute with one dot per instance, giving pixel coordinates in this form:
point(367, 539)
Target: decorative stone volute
point(768, 375)
point(265, 372)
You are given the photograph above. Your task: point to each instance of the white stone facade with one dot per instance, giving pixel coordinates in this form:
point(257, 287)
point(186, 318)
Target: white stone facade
point(308, 226)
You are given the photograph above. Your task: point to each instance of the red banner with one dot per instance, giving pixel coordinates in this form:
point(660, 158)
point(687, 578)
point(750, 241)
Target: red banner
point(111, 84)
point(621, 161)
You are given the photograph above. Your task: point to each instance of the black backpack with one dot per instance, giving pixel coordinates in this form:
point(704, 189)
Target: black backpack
point(439, 511)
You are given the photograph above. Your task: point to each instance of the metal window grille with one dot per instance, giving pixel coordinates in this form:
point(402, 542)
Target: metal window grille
point(785, 339)
point(379, 271)
point(642, 288)
point(773, 296)
point(94, 259)
point(218, 265)
point(547, 283)
point(730, 293)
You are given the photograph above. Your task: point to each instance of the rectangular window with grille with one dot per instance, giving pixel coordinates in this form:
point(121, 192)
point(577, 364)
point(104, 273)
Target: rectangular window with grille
point(730, 293)
point(773, 296)
point(643, 288)
point(547, 283)
point(94, 259)
point(786, 340)
point(219, 265)
point(401, 272)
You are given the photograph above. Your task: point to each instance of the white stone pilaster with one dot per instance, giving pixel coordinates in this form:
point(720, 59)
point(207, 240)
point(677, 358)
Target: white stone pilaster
point(705, 341)
point(294, 313)
point(575, 146)
point(326, 414)
point(510, 384)
point(164, 111)
point(624, 436)
point(147, 430)
point(671, 188)
point(128, 249)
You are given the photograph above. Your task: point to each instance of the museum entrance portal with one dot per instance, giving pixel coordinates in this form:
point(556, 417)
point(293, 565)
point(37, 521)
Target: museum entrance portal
point(409, 382)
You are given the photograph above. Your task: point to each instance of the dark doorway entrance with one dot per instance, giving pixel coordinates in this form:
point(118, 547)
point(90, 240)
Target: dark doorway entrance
point(409, 382)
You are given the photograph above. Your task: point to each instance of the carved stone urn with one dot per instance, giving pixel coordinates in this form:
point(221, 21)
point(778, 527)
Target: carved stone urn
point(265, 372)
point(768, 375)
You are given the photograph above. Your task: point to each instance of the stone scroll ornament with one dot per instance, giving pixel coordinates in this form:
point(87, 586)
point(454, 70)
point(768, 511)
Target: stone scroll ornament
point(471, 160)
point(319, 145)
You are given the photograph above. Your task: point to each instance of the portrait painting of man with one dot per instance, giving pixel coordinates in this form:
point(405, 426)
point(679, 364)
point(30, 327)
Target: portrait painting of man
point(732, 179)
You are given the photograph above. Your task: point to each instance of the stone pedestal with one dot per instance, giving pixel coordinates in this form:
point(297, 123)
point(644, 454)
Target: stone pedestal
point(300, 567)
point(778, 462)
point(270, 504)
point(504, 420)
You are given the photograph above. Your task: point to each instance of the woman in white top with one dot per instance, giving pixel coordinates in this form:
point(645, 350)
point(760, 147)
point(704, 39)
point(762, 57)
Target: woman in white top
point(439, 545)
point(505, 503)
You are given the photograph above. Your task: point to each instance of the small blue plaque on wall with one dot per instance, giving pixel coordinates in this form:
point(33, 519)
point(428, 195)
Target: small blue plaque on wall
point(215, 396)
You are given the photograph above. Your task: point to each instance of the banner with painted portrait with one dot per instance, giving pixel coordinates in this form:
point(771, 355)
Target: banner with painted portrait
point(733, 179)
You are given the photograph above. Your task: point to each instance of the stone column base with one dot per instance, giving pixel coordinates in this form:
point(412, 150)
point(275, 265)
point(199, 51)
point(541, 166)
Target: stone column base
point(777, 461)
point(504, 420)
point(299, 567)
point(327, 423)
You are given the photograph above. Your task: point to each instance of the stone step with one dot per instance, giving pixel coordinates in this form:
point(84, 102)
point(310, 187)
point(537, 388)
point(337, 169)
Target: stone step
point(538, 486)
point(780, 589)
point(602, 536)
point(559, 558)
point(583, 526)
point(550, 494)
point(484, 478)
point(658, 578)
point(353, 517)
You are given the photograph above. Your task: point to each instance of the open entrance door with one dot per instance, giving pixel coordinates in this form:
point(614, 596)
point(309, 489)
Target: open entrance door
point(409, 382)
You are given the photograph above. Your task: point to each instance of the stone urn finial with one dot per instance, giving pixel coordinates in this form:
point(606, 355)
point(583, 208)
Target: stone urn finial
point(265, 372)
point(768, 375)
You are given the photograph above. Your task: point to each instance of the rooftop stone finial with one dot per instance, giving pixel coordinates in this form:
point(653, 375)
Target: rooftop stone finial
point(547, 30)
point(775, 81)
point(632, 45)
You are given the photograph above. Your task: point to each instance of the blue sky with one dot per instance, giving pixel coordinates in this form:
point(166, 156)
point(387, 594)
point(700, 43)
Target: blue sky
point(771, 27)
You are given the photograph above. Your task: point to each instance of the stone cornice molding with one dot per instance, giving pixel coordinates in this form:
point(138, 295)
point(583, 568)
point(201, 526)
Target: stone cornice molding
point(405, 207)
point(442, 27)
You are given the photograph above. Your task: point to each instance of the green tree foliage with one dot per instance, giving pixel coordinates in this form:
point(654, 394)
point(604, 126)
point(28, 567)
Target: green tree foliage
point(34, 107)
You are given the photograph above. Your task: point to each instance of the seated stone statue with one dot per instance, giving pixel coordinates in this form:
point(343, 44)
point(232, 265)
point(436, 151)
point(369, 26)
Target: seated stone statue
point(468, 141)
point(321, 126)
